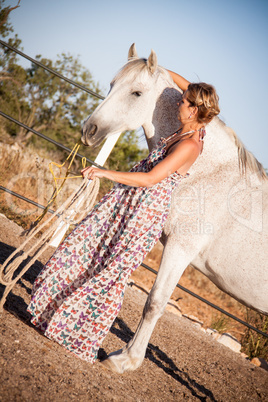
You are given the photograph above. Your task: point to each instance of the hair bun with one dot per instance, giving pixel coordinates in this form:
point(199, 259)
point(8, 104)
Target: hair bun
point(205, 97)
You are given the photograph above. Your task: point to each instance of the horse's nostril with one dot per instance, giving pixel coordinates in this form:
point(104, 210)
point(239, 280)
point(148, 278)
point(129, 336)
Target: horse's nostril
point(91, 132)
point(88, 132)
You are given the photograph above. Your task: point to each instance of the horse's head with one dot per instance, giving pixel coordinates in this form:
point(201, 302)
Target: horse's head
point(131, 102)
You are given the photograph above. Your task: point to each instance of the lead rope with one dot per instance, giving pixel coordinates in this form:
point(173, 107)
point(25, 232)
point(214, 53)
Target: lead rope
point(58, 187)
point(80, 201)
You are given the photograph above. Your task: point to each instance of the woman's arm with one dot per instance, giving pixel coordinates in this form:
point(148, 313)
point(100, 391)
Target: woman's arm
point(183, 155)
point(179, 80)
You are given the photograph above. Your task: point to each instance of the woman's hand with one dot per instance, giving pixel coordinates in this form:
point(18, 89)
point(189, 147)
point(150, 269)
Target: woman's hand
point(90, 172)
point(129, 178)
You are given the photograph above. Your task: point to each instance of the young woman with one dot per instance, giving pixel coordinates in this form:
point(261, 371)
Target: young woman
point(80, 290)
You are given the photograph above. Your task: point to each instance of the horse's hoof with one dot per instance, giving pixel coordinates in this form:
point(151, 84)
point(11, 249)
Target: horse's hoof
point(109, 365)
point(119, 362)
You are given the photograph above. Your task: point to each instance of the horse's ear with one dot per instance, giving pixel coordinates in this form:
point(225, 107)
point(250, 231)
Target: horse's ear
point(152, 62)
point(132, 53)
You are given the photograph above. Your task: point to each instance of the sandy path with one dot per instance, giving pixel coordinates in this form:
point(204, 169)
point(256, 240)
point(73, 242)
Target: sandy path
point(182, 362)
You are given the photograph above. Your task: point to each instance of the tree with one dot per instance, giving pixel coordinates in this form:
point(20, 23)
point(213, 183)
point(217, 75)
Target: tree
point(11, 74)
point(5, 26)
point(44, 102)
point(55, 106)
point(39, 99)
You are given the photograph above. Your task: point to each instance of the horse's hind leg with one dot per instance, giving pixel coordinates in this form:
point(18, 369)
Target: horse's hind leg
point(131, 356)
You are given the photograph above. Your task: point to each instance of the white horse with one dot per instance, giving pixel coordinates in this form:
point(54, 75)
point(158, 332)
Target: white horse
point(218, 218)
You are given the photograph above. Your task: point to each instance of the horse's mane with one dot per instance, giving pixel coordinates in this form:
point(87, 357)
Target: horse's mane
point(132, 67)
point(246, 159)
point(135, 67)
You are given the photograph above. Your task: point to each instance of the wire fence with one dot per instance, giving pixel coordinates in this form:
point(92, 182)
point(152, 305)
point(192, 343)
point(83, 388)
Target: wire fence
point(92, 162)
point(51, 70)
point(21, 197)
point(47, 138)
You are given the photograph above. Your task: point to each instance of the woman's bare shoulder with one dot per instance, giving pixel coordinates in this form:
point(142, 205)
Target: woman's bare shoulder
point(188, 145)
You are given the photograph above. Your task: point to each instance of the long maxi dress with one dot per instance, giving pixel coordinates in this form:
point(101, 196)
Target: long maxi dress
point(80, 290)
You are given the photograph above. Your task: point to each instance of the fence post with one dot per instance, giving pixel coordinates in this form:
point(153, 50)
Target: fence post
point(100, 160)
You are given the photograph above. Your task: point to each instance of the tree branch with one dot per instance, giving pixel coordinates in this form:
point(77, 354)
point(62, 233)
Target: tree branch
point(5, 77)
point(8, 11)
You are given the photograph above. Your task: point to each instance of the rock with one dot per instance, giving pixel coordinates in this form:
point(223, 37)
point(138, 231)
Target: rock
point(213, 332)
point(259, 362)
point(210, 331)
point(229, 341)
point(193, 318)
point(197, 325)
point(173, 308)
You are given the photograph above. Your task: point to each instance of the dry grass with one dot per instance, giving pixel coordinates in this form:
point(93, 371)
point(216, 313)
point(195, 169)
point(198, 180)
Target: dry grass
point(26, 172)
point(255, 345)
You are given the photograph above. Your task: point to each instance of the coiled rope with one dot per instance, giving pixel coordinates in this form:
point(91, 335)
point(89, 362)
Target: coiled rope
point(58, 187)
point(78, 204)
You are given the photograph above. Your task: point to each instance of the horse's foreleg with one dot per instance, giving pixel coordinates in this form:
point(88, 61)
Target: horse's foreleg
point(171, 268)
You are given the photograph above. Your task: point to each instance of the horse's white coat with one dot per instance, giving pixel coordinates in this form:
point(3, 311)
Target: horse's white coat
point(218, 217)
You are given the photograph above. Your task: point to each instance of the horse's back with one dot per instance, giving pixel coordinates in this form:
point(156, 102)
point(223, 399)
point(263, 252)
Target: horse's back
point(221, 221)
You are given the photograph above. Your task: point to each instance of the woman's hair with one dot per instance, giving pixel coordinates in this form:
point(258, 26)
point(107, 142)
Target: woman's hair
point(205, 98)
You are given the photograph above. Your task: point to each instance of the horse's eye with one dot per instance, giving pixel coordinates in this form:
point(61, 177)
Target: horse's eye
point(136, 93)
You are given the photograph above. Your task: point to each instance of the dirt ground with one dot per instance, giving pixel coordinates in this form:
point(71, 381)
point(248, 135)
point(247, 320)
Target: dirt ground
point(181, 363)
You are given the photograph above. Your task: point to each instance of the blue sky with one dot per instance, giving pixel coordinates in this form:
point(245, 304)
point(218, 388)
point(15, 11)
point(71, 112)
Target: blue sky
point(224, 43)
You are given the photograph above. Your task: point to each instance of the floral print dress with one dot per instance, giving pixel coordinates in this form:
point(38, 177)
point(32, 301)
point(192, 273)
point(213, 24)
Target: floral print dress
point(80, 290)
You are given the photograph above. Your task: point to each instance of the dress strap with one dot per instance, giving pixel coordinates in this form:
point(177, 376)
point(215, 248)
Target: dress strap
point(178, 133)
point(202, 133)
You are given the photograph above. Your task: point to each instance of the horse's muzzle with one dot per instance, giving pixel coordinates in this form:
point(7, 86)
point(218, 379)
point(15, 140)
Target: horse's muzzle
point(88, 133)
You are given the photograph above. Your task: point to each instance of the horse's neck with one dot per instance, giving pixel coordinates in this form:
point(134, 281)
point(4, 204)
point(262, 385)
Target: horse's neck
point(164, 120)
point(219, 152)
